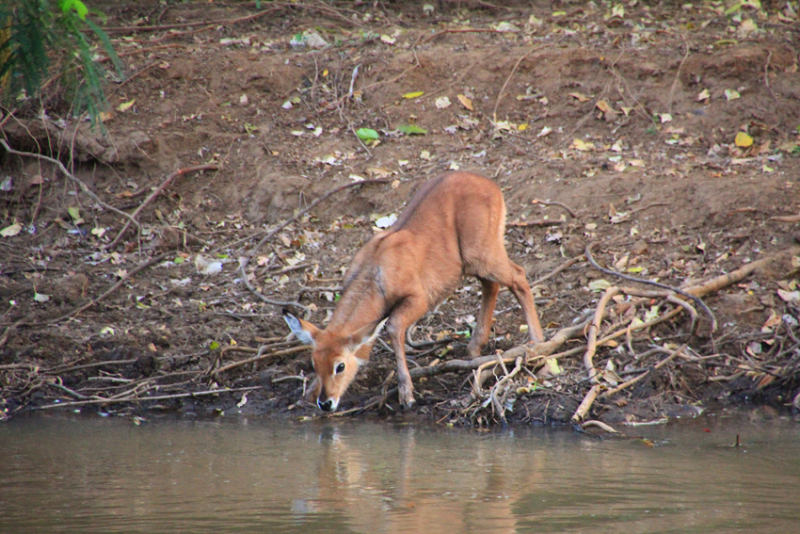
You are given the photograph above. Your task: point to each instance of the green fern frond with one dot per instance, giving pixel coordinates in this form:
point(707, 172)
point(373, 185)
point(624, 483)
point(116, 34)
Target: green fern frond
point(35, 35)
point(24, 60)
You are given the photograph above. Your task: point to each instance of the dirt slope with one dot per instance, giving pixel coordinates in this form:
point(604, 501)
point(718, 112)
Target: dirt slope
point(630, 120)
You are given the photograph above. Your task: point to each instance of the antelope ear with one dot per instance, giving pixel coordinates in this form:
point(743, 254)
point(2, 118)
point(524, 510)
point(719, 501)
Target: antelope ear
point(303, 330)
point(366, 334)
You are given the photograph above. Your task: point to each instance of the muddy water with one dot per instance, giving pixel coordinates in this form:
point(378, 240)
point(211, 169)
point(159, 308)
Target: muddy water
point(248, 475)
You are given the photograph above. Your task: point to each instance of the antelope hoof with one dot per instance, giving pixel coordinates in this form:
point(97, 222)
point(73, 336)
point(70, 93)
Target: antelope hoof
point(406, 395)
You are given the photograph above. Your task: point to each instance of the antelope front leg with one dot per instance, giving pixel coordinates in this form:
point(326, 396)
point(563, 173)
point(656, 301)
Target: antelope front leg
point(405, 389)
point(483, 326)
point(402, 317)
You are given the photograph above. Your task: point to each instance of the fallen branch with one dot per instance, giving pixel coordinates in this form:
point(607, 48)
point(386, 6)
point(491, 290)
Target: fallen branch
point(533, 353)
point(510, 75)
point(594, 328)
point(69, 175)
point(643, 208)
point(120, 29)
point(260, 356)
point(678, 74)
point(599, 424)
point(584, 407)
point(689, 309)
point(554, 203)
point(143, 399)
point(562, 267)
point(153, 195)
point(715, 284)
point(633, 381)
point(786, 218)
point(686, 294)
point(542, 223)
point(497, 403)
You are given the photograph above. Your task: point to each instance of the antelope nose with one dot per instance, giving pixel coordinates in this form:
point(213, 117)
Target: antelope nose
point(326, 405)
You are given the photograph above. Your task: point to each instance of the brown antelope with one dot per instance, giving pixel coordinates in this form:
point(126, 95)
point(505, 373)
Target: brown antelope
point(454, 226)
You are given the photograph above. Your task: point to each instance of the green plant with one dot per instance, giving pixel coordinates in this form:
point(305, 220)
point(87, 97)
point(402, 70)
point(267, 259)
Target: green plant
point(43, 41)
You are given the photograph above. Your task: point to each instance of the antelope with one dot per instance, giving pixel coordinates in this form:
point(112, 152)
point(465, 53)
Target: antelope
point(454, 226)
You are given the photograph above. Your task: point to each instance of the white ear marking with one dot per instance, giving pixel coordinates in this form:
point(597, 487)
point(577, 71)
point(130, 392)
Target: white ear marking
point(304, 336)
point(378, 330)
point(367, 336)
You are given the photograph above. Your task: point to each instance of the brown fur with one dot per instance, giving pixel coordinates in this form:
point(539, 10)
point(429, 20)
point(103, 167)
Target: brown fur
point(454, 226)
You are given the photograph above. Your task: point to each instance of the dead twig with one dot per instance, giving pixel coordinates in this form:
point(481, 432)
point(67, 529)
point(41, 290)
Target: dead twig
point(121, 29)
point(499, 388)
point(653, 205)
point(554, 203)
point(542, 223)
point(766, 73)
point(378, 84)
point(633, 381)
point(569, 263)
point(153, 195)
point(715, 284)
point(689, 309)
point(594, 328)
point(677, 75)
point(599, 424)
point(457, 30)
point(109, 291)
point(786, 218)
point(143, 399)
point(258, 357)
point(132, 76)
point(686, 294)
point(508, 79)
point(69, 175)
point(87, 366)
point(586, 405)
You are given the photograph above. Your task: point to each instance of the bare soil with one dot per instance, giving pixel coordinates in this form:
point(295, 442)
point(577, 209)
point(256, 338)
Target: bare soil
point(630, 121)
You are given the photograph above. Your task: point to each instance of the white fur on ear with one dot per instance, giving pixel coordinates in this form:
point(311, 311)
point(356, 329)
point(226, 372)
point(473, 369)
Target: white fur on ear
point(304, 336)
point(366, 335)
point(378, 330)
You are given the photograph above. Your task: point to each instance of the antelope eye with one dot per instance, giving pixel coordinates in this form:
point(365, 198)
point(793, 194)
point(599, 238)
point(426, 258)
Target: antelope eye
point(339, 369)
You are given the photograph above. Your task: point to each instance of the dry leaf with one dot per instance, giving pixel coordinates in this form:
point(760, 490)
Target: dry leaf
point(466, 102)
point(603, 106)
point(743, 140)
point(730, 94)
point(582, 145)
point(125, 106)
point(10, 231)
point(580, 96)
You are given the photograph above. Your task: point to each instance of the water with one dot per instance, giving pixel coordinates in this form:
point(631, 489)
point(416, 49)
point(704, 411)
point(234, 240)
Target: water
point(87, 475)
